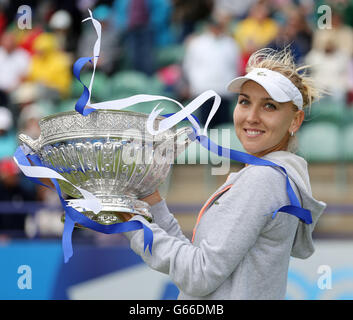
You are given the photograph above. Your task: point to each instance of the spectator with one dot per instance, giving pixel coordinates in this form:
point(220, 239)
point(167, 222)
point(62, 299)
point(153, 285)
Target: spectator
point(14, 66)
point(331, 53)
point(210, 62)
point(296, 33)
point(46, 222)
point(13, 191)
point(50, 66)
point(27, 38)
point(146, 26)
point(187, 14)
point(60, 24)
point(27, 94)
point(340, 34)
point(237, 9)
point(28, 121)
point(256, 31)
point(329, 67)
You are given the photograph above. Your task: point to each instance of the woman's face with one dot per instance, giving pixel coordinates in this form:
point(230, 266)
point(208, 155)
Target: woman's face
point(262, 124)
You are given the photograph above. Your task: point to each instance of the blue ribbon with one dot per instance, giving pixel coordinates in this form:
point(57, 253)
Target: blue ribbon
point(80, 105)
point(72, 215)
point(294, 208)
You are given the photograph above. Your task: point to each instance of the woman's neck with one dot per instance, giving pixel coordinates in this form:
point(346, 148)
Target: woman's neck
point(281, 146)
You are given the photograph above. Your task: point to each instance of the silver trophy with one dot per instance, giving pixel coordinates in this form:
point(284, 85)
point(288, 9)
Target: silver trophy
point(110, 154)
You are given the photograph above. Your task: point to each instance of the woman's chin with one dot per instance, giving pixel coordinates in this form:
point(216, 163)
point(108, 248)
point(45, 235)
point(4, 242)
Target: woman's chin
point(252, 150)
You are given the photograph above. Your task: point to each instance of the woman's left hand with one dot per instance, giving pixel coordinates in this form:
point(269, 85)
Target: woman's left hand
point(124, 216)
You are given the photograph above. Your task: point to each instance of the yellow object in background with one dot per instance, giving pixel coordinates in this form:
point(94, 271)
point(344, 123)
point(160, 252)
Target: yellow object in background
point(50, 66)
point(251, 34)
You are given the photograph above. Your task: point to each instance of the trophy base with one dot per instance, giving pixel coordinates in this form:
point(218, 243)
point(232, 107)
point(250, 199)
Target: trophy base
point(111, 209)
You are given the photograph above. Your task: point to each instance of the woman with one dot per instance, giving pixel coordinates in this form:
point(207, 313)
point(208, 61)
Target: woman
point(239, 250)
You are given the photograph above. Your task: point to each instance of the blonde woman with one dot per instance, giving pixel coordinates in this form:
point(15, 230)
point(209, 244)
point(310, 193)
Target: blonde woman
point(239, 249)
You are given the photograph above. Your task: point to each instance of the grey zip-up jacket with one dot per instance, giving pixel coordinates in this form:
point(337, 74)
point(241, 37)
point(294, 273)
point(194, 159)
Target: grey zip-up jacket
point(239, 251)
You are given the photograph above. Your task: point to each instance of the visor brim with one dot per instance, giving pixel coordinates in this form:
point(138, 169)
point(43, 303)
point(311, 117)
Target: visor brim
point(276, 93)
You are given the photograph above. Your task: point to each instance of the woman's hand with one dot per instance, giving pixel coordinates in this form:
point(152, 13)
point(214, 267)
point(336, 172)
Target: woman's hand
point(124, 216)
point(153, 198)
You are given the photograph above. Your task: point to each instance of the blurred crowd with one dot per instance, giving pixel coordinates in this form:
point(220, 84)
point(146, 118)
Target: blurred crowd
point(187, 46)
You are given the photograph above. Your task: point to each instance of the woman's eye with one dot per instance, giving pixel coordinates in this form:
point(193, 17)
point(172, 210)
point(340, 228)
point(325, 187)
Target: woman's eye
point(270, 106)
point(243, 101)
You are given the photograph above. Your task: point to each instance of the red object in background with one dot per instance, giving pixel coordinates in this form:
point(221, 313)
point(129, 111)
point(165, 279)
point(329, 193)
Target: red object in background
point(243, 61)
point(349, 98)
point(27, 42)
point(3, 22)
point(9, 167)
point(170, 75)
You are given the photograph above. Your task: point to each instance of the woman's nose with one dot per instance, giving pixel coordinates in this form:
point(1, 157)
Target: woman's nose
point(253, 115)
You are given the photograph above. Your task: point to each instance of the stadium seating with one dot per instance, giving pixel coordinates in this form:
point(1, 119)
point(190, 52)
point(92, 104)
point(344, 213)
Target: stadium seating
point(128, 83)
point(327, 109)
point(347, 142)
point(170, 55)
point(101, 89)
point(320, 142)
point(67, 105)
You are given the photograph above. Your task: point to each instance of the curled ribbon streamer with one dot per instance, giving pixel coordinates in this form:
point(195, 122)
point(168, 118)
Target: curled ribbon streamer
point(85, 97)
point(96, 48)
point(84, 106)
point(73, 216)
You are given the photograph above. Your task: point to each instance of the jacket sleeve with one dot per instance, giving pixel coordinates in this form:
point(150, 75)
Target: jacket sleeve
point(229, 230)
point(166, 220)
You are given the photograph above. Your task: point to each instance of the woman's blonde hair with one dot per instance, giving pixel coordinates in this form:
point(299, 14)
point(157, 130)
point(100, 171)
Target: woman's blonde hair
point(283, 62)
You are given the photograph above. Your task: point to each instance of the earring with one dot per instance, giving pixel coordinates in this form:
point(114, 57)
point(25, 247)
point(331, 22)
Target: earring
point(292, 134)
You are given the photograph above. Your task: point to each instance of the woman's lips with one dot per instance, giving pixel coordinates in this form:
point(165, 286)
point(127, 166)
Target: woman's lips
point(253, 133)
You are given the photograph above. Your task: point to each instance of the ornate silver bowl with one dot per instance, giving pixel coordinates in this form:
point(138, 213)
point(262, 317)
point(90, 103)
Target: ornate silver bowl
point(110, 154)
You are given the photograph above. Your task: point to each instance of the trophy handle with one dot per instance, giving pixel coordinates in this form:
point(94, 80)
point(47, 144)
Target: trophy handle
point(28, 141)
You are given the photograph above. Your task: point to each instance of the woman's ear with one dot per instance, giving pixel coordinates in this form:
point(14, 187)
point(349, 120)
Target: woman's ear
point(297, 121)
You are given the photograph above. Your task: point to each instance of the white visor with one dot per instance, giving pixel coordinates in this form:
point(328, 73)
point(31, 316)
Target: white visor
point(280, 88)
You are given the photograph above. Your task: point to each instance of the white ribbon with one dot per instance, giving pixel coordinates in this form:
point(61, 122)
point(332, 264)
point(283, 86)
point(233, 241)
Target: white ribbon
point(89, 201)
point(165, 124)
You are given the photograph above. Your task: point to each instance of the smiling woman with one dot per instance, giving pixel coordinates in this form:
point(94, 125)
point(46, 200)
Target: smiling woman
point(263, 125)
point(272, 99)
point(240, 249)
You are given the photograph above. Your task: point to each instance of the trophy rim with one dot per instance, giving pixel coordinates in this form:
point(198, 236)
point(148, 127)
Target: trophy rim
point(50, 136)
point(74, 112)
